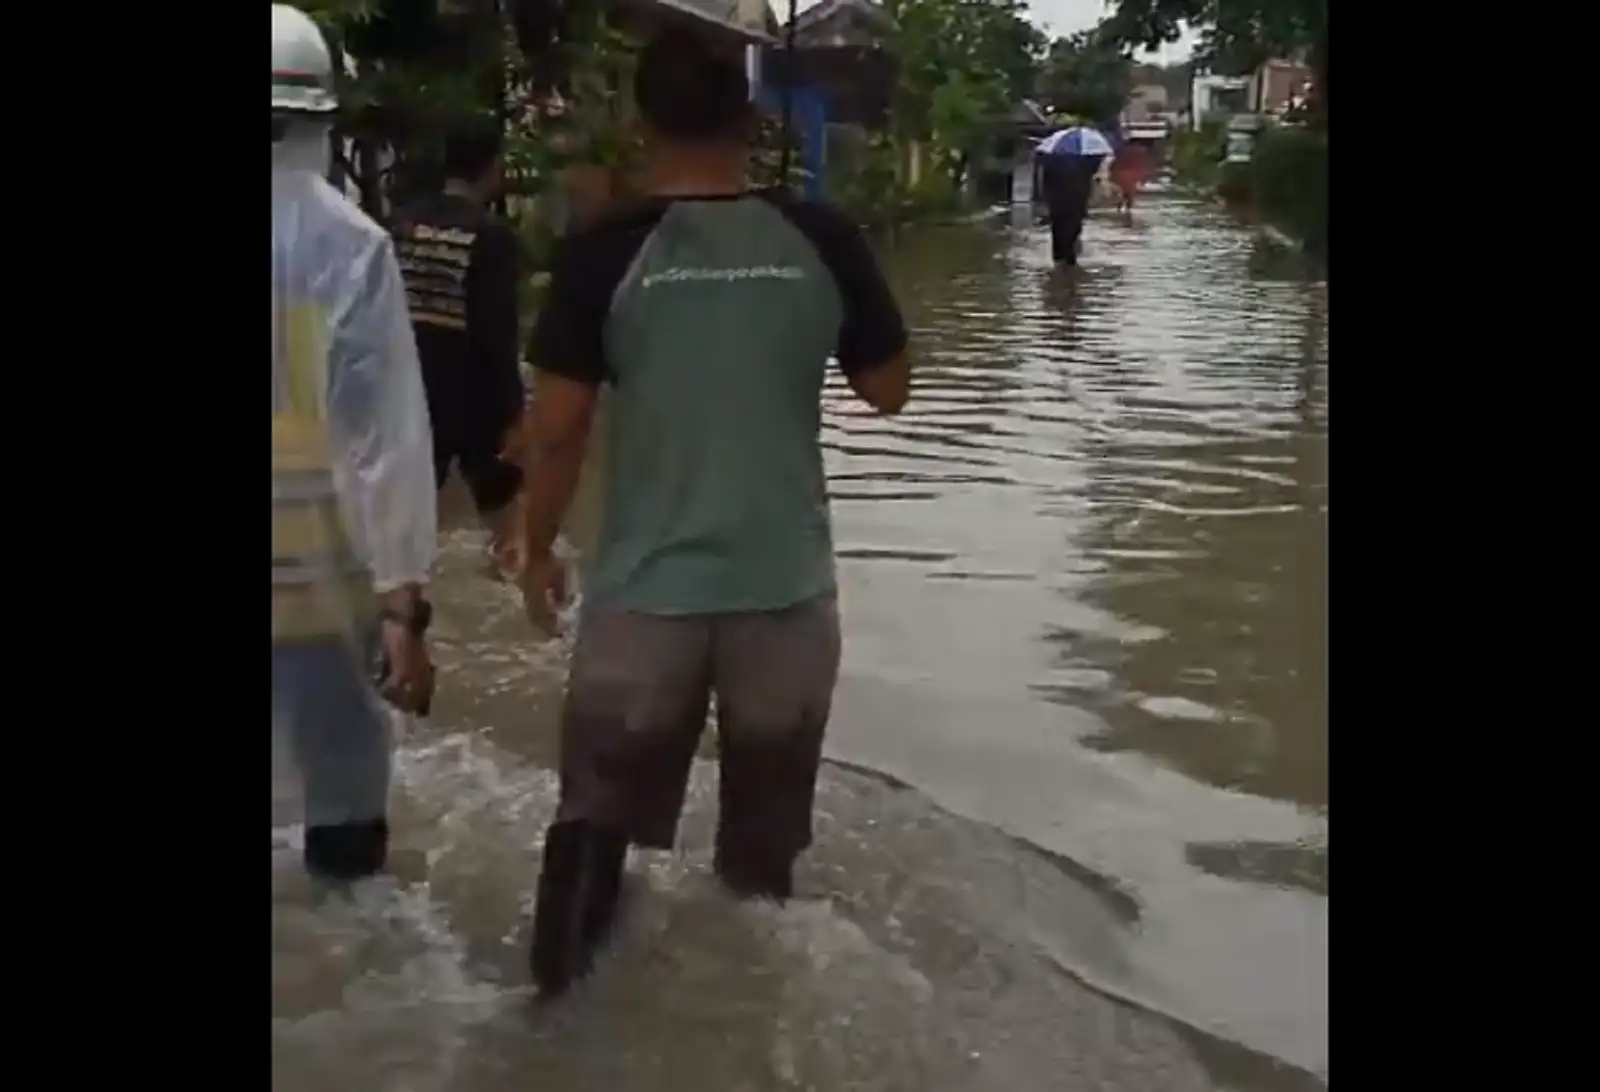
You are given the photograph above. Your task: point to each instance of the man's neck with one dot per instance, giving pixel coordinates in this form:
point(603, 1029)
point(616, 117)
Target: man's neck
point(695, 174)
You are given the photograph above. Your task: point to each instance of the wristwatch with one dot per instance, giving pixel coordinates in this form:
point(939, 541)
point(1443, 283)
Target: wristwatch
point(417, 619)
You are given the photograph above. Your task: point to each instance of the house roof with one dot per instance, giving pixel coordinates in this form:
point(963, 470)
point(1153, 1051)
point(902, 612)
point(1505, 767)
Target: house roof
point(821, 13)
point(748, 20)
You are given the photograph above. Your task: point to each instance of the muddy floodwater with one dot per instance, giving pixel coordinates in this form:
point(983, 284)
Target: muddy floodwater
point(1074, 831)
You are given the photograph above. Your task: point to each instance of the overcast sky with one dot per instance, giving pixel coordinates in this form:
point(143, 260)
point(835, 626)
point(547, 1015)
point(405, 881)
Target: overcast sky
point(1064, 17)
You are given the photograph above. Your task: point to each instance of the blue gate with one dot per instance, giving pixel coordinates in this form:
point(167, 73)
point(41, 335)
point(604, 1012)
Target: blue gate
point(809, 117)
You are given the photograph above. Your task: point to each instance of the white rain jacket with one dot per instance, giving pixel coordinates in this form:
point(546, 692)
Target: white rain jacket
point(345, 370)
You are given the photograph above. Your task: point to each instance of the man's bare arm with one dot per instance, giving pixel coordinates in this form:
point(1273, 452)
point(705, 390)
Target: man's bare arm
point(557, 430)
point(872, 346)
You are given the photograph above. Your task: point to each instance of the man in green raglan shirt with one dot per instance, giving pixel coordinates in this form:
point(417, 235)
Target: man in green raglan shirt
point(713, 313)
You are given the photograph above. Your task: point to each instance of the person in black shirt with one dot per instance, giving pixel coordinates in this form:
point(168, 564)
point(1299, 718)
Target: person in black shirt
point(1068, 185)
point(459, 261)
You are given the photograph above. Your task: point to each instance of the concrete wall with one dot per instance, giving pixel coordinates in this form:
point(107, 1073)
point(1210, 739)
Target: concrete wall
point(1275, 83)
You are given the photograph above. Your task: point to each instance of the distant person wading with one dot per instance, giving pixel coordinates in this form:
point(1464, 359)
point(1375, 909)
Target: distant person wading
point(711, 312)
point(1129, 169)
point(1068, 183)
point(460, 266)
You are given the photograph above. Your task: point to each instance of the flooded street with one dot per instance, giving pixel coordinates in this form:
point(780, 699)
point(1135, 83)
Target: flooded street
point(1074, 835)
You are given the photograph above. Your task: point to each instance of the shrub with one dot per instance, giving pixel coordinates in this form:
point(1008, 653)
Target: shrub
point(934, 194)
point(1289, 183)
point(863, 177)
point(1235, 184)
point(1197, 153)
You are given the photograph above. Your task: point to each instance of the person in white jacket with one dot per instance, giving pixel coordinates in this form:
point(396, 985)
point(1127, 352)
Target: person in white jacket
point(353, 499)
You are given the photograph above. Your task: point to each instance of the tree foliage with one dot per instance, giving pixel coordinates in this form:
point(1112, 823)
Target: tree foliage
point(1086, 75)
point(421, 66)
point(1236, 36)
point(1289, 183)
point(1176, 79)
point(964, 64)
point(416, 63)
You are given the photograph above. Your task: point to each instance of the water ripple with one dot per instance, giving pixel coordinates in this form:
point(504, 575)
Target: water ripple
point(1083, 580)
point(1124, 473)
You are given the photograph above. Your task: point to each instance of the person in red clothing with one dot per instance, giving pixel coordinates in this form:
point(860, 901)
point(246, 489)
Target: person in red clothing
point(1128, 169)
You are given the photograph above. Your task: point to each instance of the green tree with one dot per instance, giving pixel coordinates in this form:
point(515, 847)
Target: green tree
point(1087, 75)
point(423, 65)
point(961, 118)
point(419, 65)
point(1236, 36)
point(1175, 79)
point(964, 64)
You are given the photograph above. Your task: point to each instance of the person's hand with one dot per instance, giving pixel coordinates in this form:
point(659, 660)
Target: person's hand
point(506, 545)
point(514, 445)
point(544, 590)
point(409, 683)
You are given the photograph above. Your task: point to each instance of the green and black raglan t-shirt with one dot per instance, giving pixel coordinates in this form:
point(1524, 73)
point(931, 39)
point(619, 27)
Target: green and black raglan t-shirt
point(714, 321)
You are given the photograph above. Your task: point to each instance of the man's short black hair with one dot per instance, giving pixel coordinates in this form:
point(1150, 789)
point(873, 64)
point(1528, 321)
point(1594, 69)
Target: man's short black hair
point(688, 89)
point(470, 149)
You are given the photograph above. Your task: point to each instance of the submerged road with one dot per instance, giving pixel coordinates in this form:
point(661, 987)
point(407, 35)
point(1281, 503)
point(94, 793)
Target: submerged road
point(1075, 833)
